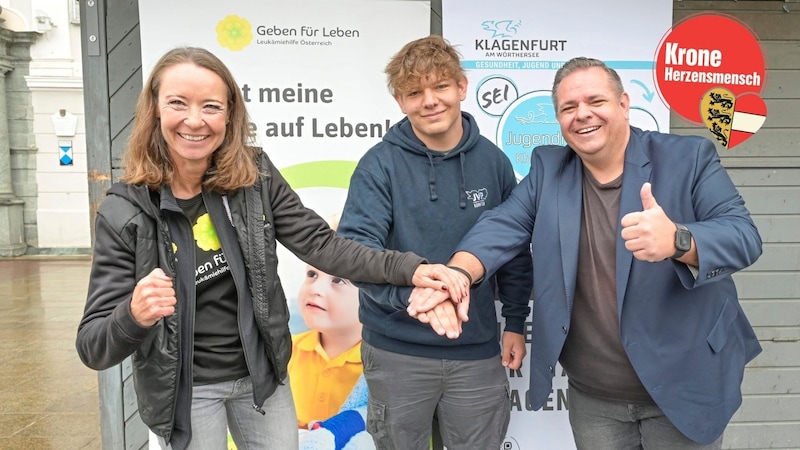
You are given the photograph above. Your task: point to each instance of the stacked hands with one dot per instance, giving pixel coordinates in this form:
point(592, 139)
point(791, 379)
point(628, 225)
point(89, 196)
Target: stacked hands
point(446, 308)
point(429, 299)
point(443, 310)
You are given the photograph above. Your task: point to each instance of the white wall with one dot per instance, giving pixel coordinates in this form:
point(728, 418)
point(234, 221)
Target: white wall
point(55, 81)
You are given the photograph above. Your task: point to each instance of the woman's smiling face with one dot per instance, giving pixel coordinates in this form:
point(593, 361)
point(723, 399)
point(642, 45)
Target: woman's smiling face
point(193, 113)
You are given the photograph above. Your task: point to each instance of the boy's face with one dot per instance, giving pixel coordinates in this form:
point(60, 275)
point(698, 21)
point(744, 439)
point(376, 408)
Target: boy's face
point(328, 303)
point(434, 110)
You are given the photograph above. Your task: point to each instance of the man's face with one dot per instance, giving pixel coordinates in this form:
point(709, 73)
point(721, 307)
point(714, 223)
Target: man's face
point(434, 110)
point(593, 117)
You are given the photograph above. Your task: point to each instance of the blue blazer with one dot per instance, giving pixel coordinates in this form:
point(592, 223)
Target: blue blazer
point(687, 337)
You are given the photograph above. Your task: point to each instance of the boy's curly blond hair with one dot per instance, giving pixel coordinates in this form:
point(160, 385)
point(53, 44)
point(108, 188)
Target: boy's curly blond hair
point(422, 59)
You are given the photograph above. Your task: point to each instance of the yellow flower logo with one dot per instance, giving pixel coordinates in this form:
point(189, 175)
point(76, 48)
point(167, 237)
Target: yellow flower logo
point(234, 32)
point(205, 234)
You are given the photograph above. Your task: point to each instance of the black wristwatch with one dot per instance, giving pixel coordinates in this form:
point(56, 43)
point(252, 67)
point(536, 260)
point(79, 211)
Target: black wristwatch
point(683, 240)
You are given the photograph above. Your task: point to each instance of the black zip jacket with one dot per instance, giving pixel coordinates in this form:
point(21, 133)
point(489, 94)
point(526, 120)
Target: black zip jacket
point(134, 232)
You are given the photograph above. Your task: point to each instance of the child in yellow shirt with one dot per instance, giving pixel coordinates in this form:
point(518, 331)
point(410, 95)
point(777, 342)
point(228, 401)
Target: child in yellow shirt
point(326, 361)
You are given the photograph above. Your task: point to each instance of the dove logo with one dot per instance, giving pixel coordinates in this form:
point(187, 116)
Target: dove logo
point(502, 28)
point(539, 113)
point(528, 122)
point(478, 197)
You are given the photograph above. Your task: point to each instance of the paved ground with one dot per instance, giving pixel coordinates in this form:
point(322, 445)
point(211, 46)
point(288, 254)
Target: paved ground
point(48, 398)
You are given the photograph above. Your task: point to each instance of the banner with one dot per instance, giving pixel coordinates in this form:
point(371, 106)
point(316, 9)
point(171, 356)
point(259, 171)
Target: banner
point(311, 73)
point(511, 50)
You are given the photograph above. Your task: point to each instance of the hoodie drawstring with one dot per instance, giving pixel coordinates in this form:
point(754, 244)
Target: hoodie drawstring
point(432, 178)
point(462, 193)
point(462, 188)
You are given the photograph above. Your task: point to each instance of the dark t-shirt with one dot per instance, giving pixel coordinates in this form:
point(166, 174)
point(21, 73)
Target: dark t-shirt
point(218, 352)
point(593, 356)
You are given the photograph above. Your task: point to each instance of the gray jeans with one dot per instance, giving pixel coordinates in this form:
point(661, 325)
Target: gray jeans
point(470, 399)
point(229, 405)
point(604, 425)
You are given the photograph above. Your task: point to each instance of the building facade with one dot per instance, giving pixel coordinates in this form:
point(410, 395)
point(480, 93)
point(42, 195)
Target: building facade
point(45, 202)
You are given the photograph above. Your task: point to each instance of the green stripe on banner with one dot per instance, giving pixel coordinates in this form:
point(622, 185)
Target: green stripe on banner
point(320, 174)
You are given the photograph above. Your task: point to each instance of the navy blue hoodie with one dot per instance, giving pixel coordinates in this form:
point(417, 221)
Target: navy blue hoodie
point(406, 197)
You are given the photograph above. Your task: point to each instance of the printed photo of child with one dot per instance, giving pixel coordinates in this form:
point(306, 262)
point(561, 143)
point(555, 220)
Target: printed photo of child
point(326, 359)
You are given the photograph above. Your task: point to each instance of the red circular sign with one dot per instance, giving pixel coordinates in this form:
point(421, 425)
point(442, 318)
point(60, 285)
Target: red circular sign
point(703, 52)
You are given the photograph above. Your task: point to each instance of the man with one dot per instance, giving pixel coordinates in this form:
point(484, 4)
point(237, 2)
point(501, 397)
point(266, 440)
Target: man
point(422, 188)
point(635, 236)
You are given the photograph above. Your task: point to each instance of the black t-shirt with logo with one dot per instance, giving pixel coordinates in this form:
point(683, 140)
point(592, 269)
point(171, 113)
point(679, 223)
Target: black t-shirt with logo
point(218, 352)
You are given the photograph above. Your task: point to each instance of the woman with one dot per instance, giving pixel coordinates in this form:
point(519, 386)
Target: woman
point(184, 276)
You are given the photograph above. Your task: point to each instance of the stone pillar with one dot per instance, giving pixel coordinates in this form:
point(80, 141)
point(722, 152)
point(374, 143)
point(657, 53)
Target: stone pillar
point(14, 47)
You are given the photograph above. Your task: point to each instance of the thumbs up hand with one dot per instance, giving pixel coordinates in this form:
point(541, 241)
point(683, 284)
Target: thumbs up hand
point(649, 234)
point(648, 201)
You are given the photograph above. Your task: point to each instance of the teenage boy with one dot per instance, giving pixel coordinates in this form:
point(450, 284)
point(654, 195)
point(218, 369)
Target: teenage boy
point(421, 189)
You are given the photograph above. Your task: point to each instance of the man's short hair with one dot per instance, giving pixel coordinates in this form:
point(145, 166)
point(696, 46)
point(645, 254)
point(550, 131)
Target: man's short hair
point(582, 63)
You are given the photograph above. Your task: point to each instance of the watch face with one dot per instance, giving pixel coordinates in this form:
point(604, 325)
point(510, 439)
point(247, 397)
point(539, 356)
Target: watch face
point(683, 240)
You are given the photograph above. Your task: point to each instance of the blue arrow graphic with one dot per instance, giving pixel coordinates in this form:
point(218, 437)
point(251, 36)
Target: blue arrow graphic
point(648, 95)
